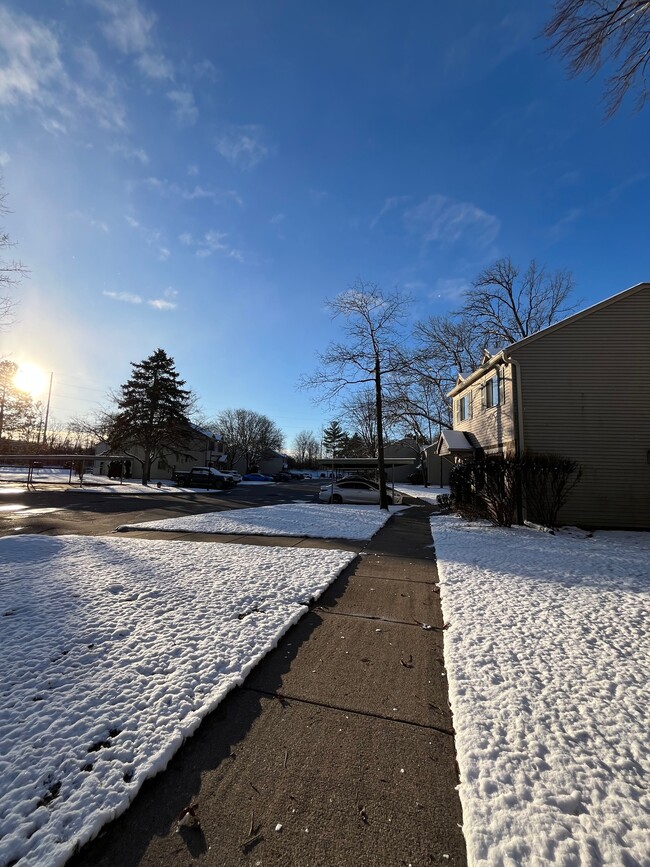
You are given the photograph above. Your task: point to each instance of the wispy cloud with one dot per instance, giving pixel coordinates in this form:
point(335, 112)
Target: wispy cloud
point(152, 237)
point(243, 146)
point(90, 221)
point(166, 302)
point(185, 110)
point(444, 221)
point(130, 153)
point(192, 170)
point(211, 242)
point(277, 219)
point(5, 159)
point(389, 204)
point(197, 192)
point(126, 297)
point(562, 227)
point(33, 77)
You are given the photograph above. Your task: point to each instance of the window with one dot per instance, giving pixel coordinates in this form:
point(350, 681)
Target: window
point(493, 391)
point(464, 407)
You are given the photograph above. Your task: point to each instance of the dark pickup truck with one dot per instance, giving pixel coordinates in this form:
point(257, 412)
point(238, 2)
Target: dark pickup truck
point(204, 477)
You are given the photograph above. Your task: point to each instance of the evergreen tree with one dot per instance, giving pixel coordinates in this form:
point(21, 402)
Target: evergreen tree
point(152, 412)
point(334, 438)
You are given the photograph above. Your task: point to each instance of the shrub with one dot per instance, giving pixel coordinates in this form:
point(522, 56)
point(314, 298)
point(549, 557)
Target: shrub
point(488, 487)
point(547, 482)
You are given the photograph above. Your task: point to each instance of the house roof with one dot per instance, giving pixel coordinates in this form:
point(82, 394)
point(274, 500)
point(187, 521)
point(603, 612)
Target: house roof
point(502, 356)
point(204, 432)
point(453, 442)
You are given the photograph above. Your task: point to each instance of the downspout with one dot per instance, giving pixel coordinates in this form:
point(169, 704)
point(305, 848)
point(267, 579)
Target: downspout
point(519, 431)
point(519, 416)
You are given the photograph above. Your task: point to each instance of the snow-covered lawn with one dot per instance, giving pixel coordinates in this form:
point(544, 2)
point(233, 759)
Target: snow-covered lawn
point(91, 482)
point(315, 520)
point(548, 660)
point(113, 650)
point(429, 495)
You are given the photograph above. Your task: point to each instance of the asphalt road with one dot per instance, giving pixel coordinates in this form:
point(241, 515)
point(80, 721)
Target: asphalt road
point(55, 510)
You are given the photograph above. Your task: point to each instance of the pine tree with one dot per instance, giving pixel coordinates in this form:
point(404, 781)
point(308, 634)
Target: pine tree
point(334, 438)
point(152, 412)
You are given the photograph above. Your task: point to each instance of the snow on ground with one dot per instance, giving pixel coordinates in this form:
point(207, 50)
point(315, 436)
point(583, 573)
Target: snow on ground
point(113, 651)
point(429, 495)
point(315, 520)
point(92, 482)
point(548, 660)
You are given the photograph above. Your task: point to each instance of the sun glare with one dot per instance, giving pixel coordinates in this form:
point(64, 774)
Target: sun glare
point(31, 379)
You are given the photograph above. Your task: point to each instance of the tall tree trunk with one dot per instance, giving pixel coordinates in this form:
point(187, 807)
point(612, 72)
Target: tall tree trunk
point(383, 494)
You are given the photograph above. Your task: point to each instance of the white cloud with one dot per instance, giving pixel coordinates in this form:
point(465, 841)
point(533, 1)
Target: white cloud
point(90, 221)
point(164, 253)
point(155, 66)
point(166, 188)
point(242, 146)
point(162, 304)
point(4, 158)
point(441, 220)
point(33, 77)
point(211, 242)
point(276, 220)
point(127, 297)
point(562, 227)
point(185, 109)
point(128, 27)
point(131, 153)
point(389, 204)
point(133, 223)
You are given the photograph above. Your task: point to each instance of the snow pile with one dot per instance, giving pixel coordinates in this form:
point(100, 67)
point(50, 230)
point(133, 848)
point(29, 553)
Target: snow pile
point(315, 520)
point(113, 651)
point(548, 659)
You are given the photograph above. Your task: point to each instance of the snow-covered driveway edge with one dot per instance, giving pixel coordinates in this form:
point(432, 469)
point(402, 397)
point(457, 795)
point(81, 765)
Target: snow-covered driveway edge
point(547, 654)
point(114, 650)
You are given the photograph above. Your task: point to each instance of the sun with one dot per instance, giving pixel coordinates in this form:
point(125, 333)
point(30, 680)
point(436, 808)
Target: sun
point(30, 378)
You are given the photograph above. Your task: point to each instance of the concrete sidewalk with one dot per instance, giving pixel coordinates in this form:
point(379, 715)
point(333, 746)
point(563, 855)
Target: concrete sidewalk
point(337, 750)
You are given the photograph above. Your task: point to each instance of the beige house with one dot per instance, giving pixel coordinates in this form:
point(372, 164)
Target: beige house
point(581, 389)
point(204, 449)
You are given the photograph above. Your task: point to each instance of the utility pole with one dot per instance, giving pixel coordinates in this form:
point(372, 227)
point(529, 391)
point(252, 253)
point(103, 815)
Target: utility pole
point(47, 410)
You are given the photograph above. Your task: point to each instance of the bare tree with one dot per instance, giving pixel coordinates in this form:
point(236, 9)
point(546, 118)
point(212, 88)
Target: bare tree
point(359, 412)
point(506, 306)
point(247, 435)
point(587, 33)
point(10, 273)
point(305, 448)
point(371, 352)
point(503, 306)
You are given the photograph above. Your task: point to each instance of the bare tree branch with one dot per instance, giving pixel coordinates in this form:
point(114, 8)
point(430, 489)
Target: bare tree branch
point(587, 33)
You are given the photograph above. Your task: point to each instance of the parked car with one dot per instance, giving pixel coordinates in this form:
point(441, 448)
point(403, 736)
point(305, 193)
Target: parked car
point(354, 491)
point(257, 477)
point(234, 475)
point(204, 477)
point(284, 476)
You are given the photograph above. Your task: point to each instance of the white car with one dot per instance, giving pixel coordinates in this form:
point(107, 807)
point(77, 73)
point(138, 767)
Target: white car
point(234, 475)
point(354, 491)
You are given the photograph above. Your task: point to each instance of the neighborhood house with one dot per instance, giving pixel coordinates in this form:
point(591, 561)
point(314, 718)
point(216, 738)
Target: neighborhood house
point(580, 389)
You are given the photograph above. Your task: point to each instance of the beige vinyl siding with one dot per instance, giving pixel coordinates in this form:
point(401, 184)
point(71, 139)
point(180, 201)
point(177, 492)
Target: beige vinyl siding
point(489, 428)
point(586, 395)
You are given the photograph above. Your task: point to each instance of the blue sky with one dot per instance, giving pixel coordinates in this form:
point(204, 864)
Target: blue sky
point(202, 176)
